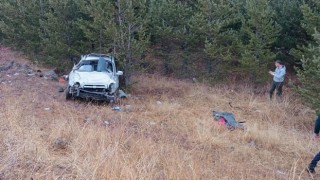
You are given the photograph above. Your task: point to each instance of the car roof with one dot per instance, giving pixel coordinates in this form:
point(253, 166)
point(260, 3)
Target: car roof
point(95, 56)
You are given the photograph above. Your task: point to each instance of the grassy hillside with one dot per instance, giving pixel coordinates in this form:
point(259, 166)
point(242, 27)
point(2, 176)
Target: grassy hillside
point(165, 131)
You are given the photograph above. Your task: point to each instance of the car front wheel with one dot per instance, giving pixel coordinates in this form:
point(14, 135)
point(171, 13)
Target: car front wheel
point(68, 94)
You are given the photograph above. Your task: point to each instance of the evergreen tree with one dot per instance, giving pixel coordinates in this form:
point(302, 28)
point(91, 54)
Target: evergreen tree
point(130, 39)
point(61, 37)
point(311, 16)
point(117, 27)
point(310, 22)
point(169, 26)
point(98, 25)
point(260, 31)
point(222, 21)
point(310, 74)
point(289, 16)
point(19, 24)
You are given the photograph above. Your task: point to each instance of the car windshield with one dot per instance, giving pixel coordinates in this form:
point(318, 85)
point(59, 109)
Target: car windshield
point(92, 65)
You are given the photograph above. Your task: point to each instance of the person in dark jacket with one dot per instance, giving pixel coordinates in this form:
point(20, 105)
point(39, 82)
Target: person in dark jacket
point(278, 78)
point(316, 158)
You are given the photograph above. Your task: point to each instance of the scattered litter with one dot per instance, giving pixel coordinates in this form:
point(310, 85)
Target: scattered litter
point(39, 73)
point(51, 75)
point(252, 143)
point(281, 174)
point(31, 74)
point(122, 94)
point(194, 80)
point(47, 109)
point(227, 119)
point(159, 102)
point(60, 143)
point(128, 108)
point(8, 75)
point(107, 123)
point(25, 69)
point(88, 120)
point(116, 108)
point(152, 123)
point(6, 66)
point(16, 74)
point(60, 89)
point(62, 80)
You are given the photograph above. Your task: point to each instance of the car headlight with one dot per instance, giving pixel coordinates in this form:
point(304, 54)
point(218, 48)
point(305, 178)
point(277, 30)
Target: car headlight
point(112, 87)
point(76, 85)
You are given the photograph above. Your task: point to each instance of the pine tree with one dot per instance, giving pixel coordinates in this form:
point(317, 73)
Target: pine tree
point(98, 25)
point(117, 27)
point(61, 37)
point(221, 25)
point(292, 35)
point(260, 31)
point(171, 29)
point(310, 74)
point(311, 16)
point(130, 39)
point(20, 25)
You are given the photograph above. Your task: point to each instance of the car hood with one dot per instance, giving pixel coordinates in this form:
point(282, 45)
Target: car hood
point(93, 78)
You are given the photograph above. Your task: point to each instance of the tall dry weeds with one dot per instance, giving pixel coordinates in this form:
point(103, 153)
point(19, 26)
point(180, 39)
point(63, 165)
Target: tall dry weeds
point(174, 138)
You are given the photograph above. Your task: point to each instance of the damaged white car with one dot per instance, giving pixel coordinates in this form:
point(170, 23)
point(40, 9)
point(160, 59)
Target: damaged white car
point(94, 77)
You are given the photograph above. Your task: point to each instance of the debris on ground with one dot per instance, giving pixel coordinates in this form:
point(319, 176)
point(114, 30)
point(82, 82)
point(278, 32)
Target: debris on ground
point(116, 108)
point(24, 69)
point(88, 120)
point(107, 123)
point(227, 119)
point(281, 174)
point(51, 75)
point(6, 67)
point(128, 108)
point(159, 102)
point(252, 143)
point(194, 80)
point(60, 143)
point(122, 94)
point(46, 109)
point(62, 79)
point(60, 89)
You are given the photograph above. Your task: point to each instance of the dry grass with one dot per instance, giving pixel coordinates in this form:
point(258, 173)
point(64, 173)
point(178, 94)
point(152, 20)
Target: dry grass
point(174, 139)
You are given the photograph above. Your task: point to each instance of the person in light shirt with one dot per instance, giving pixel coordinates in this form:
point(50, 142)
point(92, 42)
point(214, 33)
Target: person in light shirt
point(278, 78)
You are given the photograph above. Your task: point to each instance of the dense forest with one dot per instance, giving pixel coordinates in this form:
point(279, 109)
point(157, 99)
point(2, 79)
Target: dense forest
point(206, 39)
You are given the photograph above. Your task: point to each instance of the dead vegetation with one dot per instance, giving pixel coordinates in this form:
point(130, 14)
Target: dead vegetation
point(167, 133)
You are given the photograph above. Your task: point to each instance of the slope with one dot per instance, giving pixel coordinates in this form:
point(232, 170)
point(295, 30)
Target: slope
point(165, 131)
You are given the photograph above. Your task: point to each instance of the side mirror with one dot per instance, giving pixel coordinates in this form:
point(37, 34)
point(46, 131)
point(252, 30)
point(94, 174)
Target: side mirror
point(119, 73)
point(66, 77)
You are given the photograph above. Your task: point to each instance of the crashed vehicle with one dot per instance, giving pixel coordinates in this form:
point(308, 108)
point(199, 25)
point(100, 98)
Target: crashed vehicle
point(95, 77)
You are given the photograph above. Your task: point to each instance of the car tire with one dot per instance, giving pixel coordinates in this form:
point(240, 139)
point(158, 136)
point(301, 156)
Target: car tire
point(68, 95)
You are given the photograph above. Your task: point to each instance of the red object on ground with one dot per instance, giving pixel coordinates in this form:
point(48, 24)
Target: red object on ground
point(222, 121)
point(62, 80)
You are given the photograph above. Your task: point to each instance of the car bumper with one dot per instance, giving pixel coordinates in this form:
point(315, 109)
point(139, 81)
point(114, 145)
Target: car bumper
point(101, 96)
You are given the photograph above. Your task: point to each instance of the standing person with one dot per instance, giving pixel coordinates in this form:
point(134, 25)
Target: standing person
point(316, 158)
point(278, 78)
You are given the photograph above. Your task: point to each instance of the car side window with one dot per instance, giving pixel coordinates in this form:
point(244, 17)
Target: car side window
point(109, 67)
